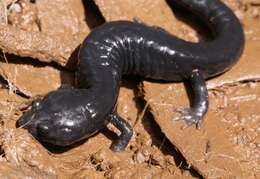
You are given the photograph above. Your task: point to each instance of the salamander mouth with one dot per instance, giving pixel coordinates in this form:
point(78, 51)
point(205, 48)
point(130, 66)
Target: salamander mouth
point(29, 122)
point(30, 126)
point(25, 120)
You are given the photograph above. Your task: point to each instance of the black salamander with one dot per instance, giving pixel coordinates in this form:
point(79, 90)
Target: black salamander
point(119, 48)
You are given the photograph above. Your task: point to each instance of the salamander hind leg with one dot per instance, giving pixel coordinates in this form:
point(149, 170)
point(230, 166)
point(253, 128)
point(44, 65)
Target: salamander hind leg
point(199, 103)
point(126, 133)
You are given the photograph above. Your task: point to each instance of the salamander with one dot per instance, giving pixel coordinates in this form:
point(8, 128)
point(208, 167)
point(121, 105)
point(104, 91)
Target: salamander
point(118, 48)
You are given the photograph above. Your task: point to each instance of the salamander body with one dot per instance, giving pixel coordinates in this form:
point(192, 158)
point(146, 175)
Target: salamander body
point(119, 48)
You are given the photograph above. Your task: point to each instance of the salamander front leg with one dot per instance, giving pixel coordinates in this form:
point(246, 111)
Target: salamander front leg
point(126, 133)
point(199, 103)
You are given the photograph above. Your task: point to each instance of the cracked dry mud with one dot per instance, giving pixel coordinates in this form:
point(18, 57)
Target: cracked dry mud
point(39, 40)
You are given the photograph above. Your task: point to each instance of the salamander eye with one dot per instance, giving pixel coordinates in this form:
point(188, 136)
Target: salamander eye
point(36, 105)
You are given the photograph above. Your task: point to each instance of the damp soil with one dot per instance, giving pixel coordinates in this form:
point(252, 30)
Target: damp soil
point(39, 41)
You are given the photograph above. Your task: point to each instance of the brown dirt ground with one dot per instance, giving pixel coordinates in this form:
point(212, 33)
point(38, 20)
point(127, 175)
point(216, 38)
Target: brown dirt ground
point(40, 39)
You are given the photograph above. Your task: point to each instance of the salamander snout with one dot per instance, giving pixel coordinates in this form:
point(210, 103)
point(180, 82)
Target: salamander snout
point(34, 121)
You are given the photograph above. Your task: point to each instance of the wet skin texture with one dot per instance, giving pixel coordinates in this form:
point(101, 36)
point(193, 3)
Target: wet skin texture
point(114, 49)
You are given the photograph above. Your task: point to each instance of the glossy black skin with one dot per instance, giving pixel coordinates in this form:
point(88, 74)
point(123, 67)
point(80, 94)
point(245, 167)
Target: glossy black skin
point(114, 49)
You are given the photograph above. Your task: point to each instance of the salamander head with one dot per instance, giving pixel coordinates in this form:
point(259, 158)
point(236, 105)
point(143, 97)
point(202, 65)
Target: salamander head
point(58, 119)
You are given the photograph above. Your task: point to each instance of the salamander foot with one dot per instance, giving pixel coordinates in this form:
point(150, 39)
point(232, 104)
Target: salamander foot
point(190, 117)
point(199, 101)
point(126, 133)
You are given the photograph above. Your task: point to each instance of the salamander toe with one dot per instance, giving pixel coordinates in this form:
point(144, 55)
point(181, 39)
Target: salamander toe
point(190, 117)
